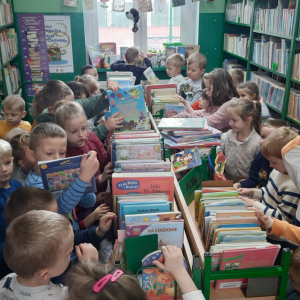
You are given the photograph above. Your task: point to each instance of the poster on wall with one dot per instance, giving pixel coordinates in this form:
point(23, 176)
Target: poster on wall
point(59, 44)
point(160, 6)
point(72, 3)
point(89, 6)
point(34, 50)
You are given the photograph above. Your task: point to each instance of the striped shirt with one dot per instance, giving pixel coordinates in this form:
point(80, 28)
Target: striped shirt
point(279, 199)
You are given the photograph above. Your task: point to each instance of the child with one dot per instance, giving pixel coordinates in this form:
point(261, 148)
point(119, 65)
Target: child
point(175, 63)
point(7, 186)
point(191, 88)
point(132, 57)
point(279, 199)
point(249, 90)
point(14, 132)
point(241, 144)
point(260, 168)
point(89, 69)
point(19, 144)
point(14, 112)
point(70, 116)
point(84, 280)
point(237, 76)
point(37, 248)
point(90, 84)
point(78, 89)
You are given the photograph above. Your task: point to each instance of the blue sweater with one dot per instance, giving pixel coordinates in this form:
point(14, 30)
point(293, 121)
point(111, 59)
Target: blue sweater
point(259, 173)
point(4, 193)
point(121, 66)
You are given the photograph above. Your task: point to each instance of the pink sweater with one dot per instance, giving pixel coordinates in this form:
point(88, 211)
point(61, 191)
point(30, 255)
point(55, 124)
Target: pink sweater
point(216, 116)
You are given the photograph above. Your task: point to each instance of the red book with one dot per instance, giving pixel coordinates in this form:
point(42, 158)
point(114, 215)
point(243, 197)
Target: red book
point(108, 48)
point(151, 90)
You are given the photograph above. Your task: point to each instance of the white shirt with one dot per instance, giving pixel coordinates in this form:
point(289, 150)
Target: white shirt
point(176, 79)
point(10, 289)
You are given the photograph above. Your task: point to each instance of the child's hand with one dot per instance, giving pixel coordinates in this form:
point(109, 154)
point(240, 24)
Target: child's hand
point(105, 223)
point(237, 186)
point(102, 196)
point(263, 220)
point(115, 255)
point(261, 99)
point(100, 211)
point(88, 166)
point(106, 173)
point(249, 202)
point(181, 99)
point(143, 54)
point(102, 120)
point(113, 122)
point(112, 86)
point(86, 251)
point(249, 192)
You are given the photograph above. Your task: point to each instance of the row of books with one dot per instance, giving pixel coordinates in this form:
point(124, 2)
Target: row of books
point(272, 53)
point(277, 20)
point(237, 44)
point(231, 64)
point(12, 78)
point(239, 12)
point(123, 79)
point(6, 13)
point(8, 44)
point(296, 67)
point(294, 104)
point(232, 235)
point(271, 90)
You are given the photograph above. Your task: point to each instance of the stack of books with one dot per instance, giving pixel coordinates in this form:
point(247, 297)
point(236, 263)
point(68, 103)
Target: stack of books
point(271, 90)
point(6, 13)
point(294, 105)
point(237, 44)
point(123, 79)
point(8, 44)
point(239, 12)
point(186, 132)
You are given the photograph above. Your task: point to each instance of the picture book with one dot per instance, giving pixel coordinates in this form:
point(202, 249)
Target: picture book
point(130, 102)
point(169, 233)
point(158, 105)
point(157, 90)
point(157, 284)
point(58, 175)
point(152, 217)
point(144, 167)
point(181, 123)
point(150, 75)
point(109, 48)
point(94, 53)
point(186, 159)
point(153, 58)
point(170, 50)
point(201, 143)
point(182, 51)
point(110, 58)
point(146, 151)
point(172, 110)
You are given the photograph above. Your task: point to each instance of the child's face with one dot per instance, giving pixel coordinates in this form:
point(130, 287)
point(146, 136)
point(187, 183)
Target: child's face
point(277, 164)
point(92, 72)
point(77, 131)
point(245, 94)
point(194, 72)
point(95, 92)
point(203, 103)
point(236, 122)
point(173, 71)
point(209, 87)
point(6, 168)
point(13, 116)
point(264, 133)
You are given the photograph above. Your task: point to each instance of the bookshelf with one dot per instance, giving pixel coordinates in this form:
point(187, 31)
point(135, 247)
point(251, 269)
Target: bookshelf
point(260, 29)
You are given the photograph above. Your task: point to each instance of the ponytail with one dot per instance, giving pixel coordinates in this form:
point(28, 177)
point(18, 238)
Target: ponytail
point(256, 121)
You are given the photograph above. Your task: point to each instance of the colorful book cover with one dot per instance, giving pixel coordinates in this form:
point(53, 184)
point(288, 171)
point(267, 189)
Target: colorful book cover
point(182, 50)
point(181, 123)
point(150, 75)
point(169, 233)
point(110, 58)
point(130, 102)
point(153, 58)
point(186, 159)
point(172, 110)
point(108, 48)
point(58, 175)
point(122, 82)
point(152, 217)
point(94, 53)
point(201, 143)
point(170, 50)
point(146, 151)
point(158, 285)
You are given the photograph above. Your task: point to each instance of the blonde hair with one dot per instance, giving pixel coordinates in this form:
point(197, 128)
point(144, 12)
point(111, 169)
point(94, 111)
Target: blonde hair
point(67, 110)
point(14, 102)
point(33, 241)
point(176, 60)
point(88, 81)
point(277, 139)
point(245, 108)
point(15, 131)
point(84, 275)
point(5, 148)
point(131, 53)
point(294, 270)
point(199, 59)
point(18, 143)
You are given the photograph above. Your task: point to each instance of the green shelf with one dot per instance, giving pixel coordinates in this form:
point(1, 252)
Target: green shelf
point(7, 25)
point(295, 80)
point(267, 69)
point(298, 39)
point(273, 108)
point(238, 24)
point(273, 34)
point(237, 56)
point(6, 63)
point(293, 120)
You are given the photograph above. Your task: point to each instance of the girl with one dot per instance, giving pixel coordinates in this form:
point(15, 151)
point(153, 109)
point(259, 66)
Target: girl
point(237, 76)
point(89, 69)
point(240, 144)
point(90, 280)
point(249, 90)
point(90, 84)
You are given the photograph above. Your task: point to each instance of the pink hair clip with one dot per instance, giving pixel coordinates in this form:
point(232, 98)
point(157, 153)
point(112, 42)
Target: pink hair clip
point(98, 286)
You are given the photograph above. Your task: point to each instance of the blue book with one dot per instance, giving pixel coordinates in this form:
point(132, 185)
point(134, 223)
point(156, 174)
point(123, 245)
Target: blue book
point(238, 225)
point(58, 175)
point(172, 110)
point(182, 51)
point(186, 159)
point(107, 115)
point(131, 103)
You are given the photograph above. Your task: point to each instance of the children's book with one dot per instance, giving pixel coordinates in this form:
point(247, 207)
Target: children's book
point(94, 53)
point(158, 105)
point(170, 50)
point(182, 51)
point(158, 285)
point(153, 58)
point(158, 90)
point(202, 143)
point(181, 123)
point(130, 102)
point(172, 110)
point(150, 75)
point(108, 48)
point(152, 217)
point(110, 59)
point(146, 151)
point(186, 159)
point(58, 175)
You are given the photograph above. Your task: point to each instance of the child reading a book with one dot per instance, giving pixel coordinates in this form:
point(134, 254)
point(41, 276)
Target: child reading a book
point(260, 168)
point(191, 88)
point(240, 145)
point(132, 56)
point(91, 280)
point(90, 84)
point(14, 112)
point(7, 186)
point(237, 77)
point(280, 198)
point(91, 70)
point(249, 90)
point(175, 63)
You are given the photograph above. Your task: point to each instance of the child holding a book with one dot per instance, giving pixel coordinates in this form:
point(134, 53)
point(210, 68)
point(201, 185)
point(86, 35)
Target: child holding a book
point(91, 70)
point(240, 145)
point(175, 63)
point(260, 168)
point(237, 76)
point(132, 56)
point(14, 112)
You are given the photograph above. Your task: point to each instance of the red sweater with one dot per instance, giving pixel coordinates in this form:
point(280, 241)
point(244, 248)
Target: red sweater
point(93, 143)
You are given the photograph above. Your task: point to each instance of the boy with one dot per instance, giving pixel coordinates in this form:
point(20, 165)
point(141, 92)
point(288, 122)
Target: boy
point(78, 89)
point(132, 57)
point(38, 248)
point(279, 199)
point(175, 63)
point(237, 76)
point(7, 186)
point(260, 168)
point(14, 112)
point(89, 69)
point(191, 88)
